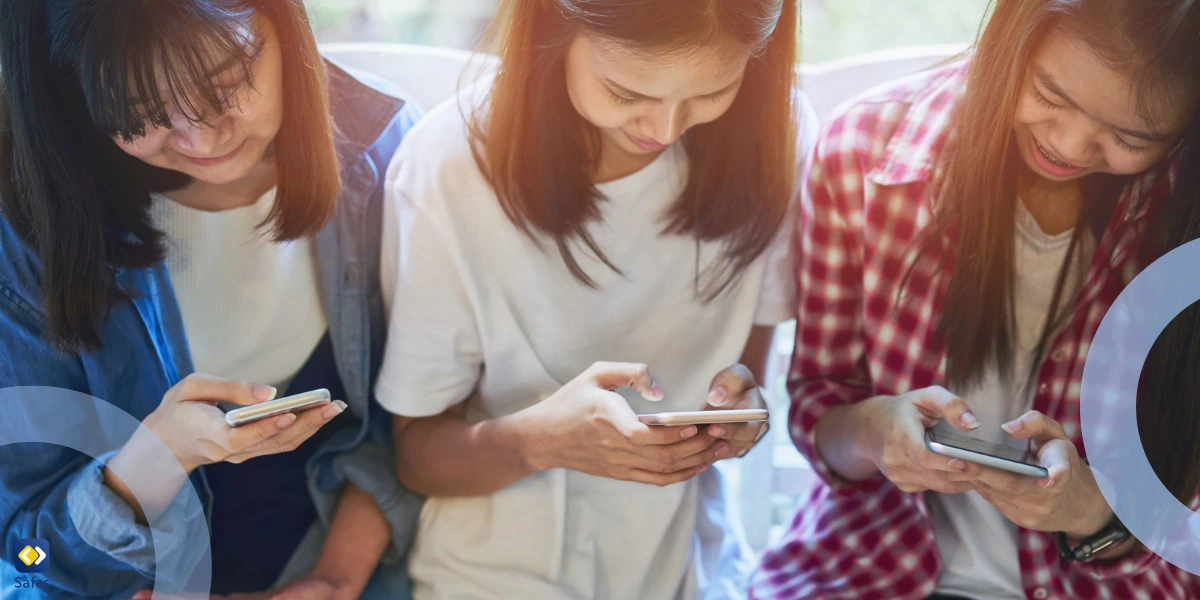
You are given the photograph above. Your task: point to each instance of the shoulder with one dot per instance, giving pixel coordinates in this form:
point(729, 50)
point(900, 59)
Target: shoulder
point(435, 162)
point(367, 108)
point(866, 131)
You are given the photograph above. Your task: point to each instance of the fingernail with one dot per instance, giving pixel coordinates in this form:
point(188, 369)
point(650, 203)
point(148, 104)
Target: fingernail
point(285, 421)
point(1012, 426)
point(721, 449)
point(334, 410)
point(702, 469)
point(264, 392)
point(656, 391)
point(716, 431)
point(687, 432)
point(1046, 482)
point(717, 396)
point(970, 420)
point(957, 465)
point(741, 454)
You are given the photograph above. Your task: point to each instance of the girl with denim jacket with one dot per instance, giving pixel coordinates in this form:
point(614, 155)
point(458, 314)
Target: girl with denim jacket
point(190, 187)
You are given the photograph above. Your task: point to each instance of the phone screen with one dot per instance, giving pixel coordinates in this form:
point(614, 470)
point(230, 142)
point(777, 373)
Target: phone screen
point(1016, 450)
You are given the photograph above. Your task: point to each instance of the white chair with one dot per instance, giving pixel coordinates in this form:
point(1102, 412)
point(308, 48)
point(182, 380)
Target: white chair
point(430, 75)
point(774, 468)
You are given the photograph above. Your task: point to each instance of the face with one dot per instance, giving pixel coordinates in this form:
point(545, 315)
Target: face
point(232, 144)
point(1077, 116)
point(641, 103)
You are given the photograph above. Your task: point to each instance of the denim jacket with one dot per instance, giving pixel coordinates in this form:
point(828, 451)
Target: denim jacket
point(49, 492)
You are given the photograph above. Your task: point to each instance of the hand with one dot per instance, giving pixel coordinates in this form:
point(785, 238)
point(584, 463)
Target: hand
point(735, 389)
point(194, 429)
point(894, 439)
point(1067, 499)
point(587, 427)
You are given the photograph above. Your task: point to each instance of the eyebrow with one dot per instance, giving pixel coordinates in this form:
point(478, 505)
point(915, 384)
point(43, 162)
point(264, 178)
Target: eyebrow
point(1051, 84)
point(632, 94)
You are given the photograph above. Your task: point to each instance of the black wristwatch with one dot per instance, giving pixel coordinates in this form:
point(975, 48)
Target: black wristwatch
point(1112, 534)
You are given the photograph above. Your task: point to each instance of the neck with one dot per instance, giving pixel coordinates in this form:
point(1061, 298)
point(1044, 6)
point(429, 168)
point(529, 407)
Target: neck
point(227, 196)
point(1055, 205)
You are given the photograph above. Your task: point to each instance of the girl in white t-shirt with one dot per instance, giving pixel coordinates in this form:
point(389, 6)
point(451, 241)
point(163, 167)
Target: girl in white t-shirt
point(618, 192)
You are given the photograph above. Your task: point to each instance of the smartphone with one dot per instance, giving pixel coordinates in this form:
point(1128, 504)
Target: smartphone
point(701, 417)
point(250, 414)
point(944, 439)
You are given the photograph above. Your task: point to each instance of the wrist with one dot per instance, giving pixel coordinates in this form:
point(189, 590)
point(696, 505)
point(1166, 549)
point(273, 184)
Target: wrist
point(517, 434)
point(140, 444)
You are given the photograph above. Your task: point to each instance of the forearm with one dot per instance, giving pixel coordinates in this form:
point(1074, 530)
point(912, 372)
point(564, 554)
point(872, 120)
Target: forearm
point(447, 456)
point(357, 539)
point(840, 441)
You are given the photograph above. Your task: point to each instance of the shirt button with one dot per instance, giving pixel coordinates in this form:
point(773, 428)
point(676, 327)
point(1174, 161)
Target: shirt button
point(1058, 355)
point(1042, 388)
point(1040, 594)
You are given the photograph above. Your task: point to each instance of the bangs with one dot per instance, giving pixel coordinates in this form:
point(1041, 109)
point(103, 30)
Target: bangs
point(191, 58)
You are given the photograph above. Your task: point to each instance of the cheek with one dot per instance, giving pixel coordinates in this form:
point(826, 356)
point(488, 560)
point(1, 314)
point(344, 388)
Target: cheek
point(1121, 162)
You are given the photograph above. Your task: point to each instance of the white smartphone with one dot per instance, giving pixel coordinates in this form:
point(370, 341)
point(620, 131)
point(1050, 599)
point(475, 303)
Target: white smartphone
point(299, 402)
point(944, 439)
point(702, 417)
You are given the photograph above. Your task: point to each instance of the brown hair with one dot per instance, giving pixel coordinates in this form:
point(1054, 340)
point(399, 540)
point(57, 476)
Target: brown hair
point(69, 72)
point(537, 152)
point(979, 194)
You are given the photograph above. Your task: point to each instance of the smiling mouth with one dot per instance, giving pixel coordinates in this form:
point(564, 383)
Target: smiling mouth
point(1051, 158)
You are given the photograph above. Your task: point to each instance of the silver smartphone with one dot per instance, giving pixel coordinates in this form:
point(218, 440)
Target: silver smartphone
point(702, 417)
point(255, 412)
point(1013, 457)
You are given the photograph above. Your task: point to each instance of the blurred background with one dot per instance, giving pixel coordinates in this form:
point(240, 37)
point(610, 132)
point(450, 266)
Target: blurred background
point(772, 480)
point(832, 28)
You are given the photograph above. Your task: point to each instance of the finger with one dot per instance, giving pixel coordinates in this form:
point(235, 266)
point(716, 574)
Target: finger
point(664, 463)
point(664, 479)
point(199, 387)
point(737, 432)
point(934, 462)
point(1055, 456)
point(674, 451)
point(611, 376)
point(1035, 426)
point(1006, 483)
point(938, 403)
point(729, 384)
point(306, 424)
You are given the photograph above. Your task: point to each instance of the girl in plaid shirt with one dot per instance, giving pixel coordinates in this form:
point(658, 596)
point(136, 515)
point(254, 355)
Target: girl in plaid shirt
point(965, 232)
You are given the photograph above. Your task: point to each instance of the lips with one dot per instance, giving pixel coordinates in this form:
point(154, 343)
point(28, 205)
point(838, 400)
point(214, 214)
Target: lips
point(644, 144)
point(1051, 164)
point(216, 160)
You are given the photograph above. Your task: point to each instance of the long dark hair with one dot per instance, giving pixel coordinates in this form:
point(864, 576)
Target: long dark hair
point(70, 72)
point(1156, 42)
point(536, 151)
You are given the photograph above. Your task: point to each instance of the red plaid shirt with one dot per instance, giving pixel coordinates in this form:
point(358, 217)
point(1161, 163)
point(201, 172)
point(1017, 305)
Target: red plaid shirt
point(871, 182)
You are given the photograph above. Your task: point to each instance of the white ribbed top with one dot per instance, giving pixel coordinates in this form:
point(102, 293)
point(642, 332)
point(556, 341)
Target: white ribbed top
point(251, 308)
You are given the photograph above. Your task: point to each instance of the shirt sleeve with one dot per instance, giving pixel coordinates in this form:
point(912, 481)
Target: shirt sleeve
point(55, 493)
point(777, 301)
point(829, 364)
point(433, 357)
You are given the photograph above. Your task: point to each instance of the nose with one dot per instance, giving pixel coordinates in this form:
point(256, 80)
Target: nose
point(665, 124)
point(201, 140)
point(1074, 141)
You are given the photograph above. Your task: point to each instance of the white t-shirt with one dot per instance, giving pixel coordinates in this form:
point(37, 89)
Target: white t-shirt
point(251, 307)
point(978, 544)
point(471, 290)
